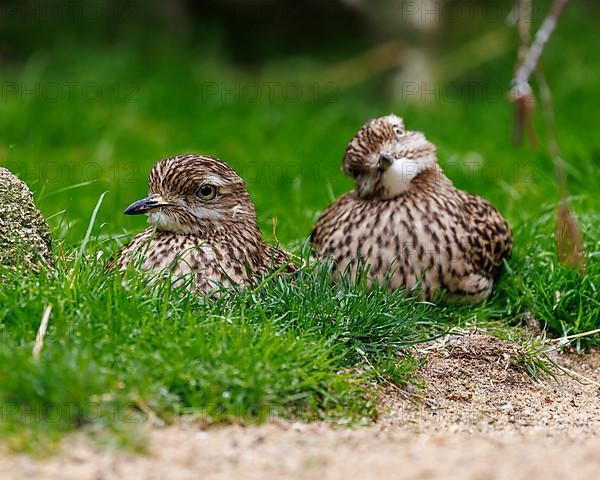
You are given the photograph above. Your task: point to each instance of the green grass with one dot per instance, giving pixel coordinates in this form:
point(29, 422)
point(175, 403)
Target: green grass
point(114, 347)
point(117, 352)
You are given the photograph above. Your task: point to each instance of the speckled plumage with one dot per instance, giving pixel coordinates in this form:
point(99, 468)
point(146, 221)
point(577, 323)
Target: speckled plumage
point(406, 222)
point(215, 242)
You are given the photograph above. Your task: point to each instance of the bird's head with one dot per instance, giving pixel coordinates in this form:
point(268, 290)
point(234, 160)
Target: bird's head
point(195, 194)
point(384, 157)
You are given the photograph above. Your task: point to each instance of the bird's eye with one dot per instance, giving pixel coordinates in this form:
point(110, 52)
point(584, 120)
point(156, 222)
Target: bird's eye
point(398, 131)
point(207, 192)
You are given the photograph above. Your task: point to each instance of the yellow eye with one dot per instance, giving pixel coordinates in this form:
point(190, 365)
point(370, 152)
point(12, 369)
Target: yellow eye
point(207, 192)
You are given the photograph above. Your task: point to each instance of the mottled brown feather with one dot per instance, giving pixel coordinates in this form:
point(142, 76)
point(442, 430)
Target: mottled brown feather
point(431, 236)
point(212, 243)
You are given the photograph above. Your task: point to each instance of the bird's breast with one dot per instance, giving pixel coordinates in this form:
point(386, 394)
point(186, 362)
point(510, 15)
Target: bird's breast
point(407, 236)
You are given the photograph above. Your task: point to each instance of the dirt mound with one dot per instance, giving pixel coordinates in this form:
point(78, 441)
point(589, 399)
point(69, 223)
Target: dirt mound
point(477, 383)
point(24, 234)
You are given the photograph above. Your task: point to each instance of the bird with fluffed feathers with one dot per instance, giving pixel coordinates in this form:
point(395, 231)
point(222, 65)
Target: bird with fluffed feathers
point(406, 225)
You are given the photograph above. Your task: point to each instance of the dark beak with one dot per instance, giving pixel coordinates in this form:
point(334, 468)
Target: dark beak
point(145, 205)
point(385, 160)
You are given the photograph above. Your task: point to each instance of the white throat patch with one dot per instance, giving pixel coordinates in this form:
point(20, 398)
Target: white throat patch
point(168, 223)
point(399, 175)
point(165, 222)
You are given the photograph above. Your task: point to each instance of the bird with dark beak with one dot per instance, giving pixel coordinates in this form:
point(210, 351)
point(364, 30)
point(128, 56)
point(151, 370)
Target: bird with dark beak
point(203, 227)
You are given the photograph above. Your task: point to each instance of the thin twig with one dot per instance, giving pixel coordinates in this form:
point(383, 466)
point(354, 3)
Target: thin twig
point(521, 86)
point(569, 240)
point(151, 416)
point(39, 338)
point(523, 27)
point(525, 105)
point(577, 335)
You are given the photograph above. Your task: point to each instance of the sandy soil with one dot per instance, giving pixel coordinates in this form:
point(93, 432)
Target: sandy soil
point(481, 417)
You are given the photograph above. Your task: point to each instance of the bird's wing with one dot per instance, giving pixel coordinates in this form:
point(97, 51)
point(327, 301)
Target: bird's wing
point(490, 237)
point(278, 258)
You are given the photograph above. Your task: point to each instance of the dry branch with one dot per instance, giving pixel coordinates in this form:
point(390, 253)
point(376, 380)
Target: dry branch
point(521, 85)
point(569, 240)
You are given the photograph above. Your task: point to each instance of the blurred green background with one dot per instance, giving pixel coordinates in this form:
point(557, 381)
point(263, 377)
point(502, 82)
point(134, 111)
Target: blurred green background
point(93, 93)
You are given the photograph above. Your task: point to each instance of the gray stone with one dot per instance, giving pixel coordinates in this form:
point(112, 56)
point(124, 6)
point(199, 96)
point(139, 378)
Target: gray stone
point(24, 234)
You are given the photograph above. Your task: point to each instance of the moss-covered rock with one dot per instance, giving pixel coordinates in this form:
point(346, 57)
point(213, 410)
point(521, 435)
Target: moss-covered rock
point(24, 234)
